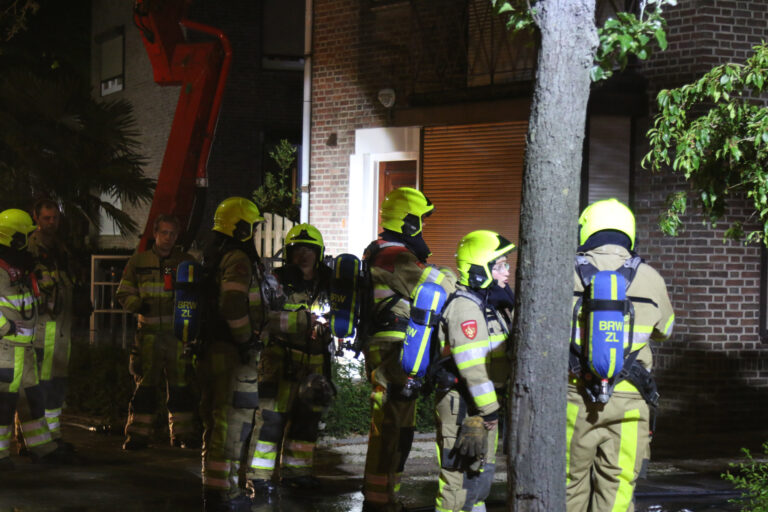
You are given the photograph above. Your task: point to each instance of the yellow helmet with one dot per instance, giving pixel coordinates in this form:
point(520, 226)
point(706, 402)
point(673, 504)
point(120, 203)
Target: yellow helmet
point(235, 217)
point(304, 234)
point(607, 214)
point(15, 227)
point(475, 256)
point(403, 209)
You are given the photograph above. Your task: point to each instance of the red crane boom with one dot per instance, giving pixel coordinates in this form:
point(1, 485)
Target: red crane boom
point(201, 69)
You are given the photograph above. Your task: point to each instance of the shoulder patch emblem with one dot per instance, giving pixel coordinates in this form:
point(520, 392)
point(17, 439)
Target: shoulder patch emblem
point(241, 269)
point(469, 328)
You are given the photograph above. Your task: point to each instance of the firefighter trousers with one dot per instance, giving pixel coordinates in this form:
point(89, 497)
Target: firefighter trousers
point(52, 350)
point(228, 406)
point(22, 396)
point(286, 429)
point(606, 448)
point(158, 359)
point(392, 426)
point(460, 489)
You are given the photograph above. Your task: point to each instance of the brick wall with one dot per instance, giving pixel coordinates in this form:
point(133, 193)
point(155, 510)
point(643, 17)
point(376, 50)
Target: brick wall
point(359, 49)
point(153, 106)
point(713, 374)
point(255, 102)
point(343, 100)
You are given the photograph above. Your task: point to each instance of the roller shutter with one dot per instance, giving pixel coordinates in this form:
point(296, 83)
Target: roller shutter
point(473, 174)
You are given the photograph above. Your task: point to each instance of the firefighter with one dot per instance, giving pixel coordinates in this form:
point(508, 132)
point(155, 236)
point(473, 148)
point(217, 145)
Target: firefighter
point(228, 366)
point(20, 390)
point(53, 333)
point(397, 262)
point(607, 443)
point(501, 294)
point(146, 288)
point(294, 369)
point(471, 375)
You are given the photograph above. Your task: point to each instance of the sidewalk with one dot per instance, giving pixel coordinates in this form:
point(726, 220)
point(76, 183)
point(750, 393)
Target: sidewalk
point(168, 479)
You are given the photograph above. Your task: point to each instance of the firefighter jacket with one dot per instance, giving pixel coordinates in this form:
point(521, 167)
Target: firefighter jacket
point(475, 336)
point(18, 306)
point(654, 318)
point(292, 326)
point(54, 276)
point(396, 272)
point(147, 285)
point(240, 300)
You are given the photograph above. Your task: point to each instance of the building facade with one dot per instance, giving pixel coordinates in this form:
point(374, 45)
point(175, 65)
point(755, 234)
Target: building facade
point(262, 100)
point(435, 94)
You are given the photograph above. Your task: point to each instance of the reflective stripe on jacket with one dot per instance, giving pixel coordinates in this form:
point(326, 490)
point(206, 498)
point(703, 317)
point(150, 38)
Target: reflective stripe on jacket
point(143, 287)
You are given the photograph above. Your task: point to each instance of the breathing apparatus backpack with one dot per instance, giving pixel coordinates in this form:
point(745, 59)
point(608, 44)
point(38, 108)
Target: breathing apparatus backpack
point(187, 304)
point(196, 316)
point(416, 354)
point(345, 296)
point(352, 303)
point(602, 357)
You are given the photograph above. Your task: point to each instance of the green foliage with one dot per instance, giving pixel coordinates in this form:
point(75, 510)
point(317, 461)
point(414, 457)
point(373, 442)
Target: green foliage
point(627, 35)
point(14, 15)
point(276, 195)
point(55, 139)
point(99, 382)
point(620, 37)
point(425, 413)
point(350, 412)
point(716, 134)
point(751, 477)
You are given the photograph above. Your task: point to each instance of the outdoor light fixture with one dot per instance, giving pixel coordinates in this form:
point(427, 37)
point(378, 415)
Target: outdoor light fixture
point(387, 97)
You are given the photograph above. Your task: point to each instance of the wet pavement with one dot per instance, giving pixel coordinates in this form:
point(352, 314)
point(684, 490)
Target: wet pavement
point(162, 478)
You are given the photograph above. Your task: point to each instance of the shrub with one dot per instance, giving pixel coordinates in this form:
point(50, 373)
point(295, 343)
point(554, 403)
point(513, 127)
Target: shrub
point(350, 412)
point(99, 383)
point(751, 477)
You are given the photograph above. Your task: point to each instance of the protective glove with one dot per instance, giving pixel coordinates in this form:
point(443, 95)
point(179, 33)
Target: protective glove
point(472, 442)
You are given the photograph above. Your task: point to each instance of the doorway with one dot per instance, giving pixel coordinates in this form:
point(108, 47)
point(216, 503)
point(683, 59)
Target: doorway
point(392, 175)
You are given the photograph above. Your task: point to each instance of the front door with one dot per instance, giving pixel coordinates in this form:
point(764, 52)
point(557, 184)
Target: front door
point(392, 175)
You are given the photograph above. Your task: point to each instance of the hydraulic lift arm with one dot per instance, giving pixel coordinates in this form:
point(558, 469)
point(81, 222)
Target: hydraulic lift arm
point(201, 69)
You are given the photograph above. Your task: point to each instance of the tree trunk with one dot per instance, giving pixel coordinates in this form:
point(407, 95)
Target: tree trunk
point(536, 442)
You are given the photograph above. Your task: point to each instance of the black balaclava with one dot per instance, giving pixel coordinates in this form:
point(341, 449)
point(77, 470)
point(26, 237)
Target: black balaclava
point(606, 237)
point(17, 259)
point(415, 243)
point(501, 298)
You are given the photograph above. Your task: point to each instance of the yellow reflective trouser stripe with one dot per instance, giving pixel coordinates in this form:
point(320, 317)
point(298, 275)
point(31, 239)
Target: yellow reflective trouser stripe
point(18, 368)
point(36, 432)
point(264, 456)
point(627, 460)
point(283, 399)
point(571, 413)
point(50, 339)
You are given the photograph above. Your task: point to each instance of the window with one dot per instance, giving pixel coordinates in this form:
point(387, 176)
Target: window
point(608, 159)
point(107, 226)
point(283, 35)
point(111, 50)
